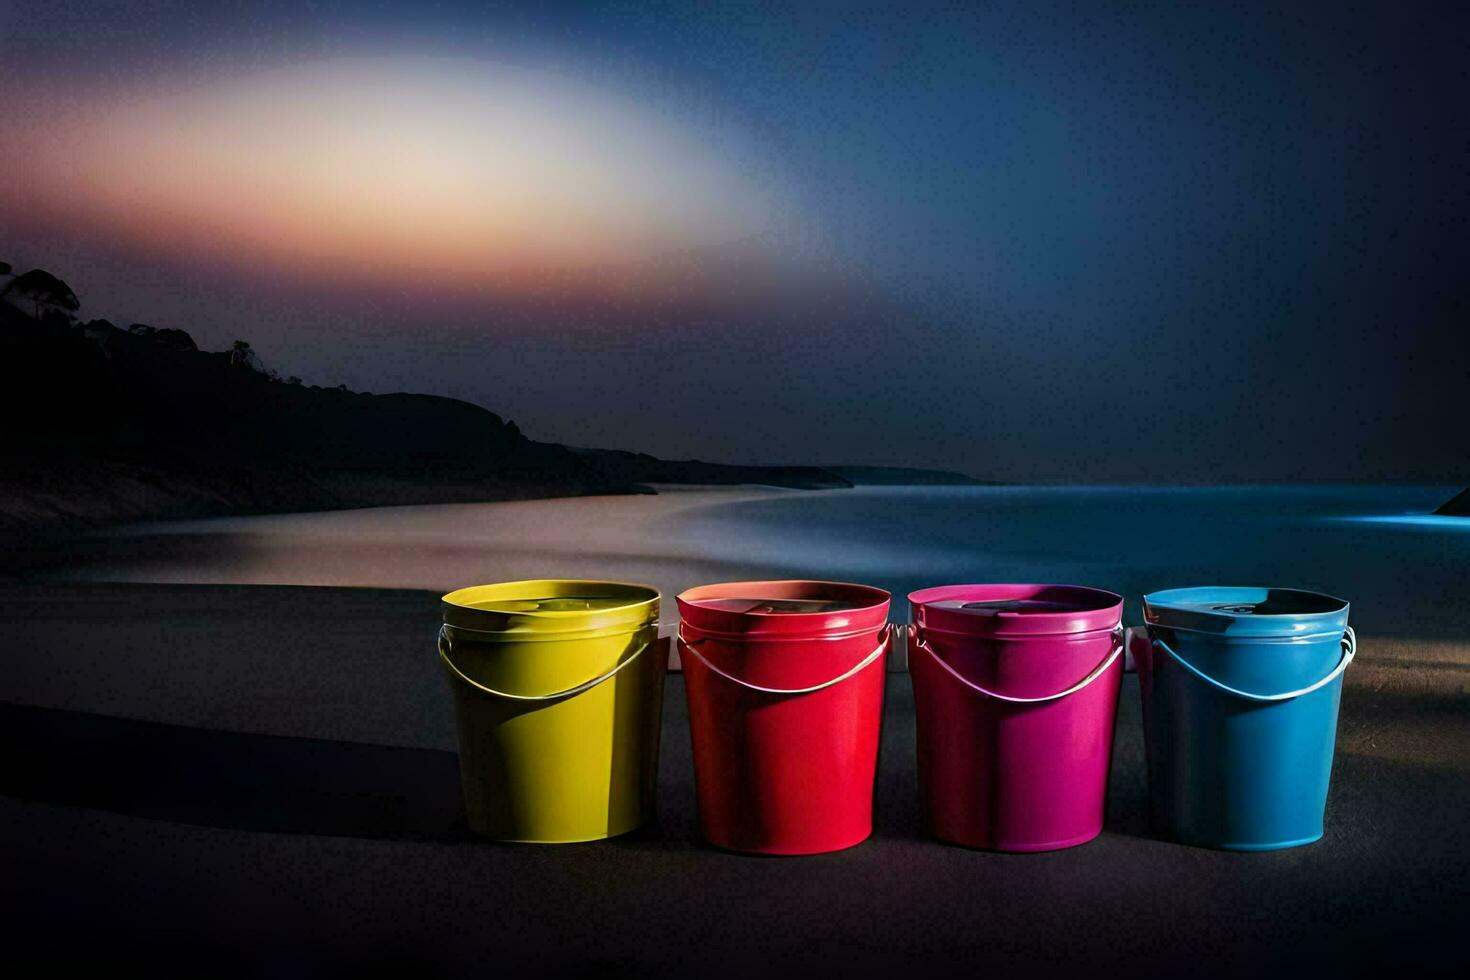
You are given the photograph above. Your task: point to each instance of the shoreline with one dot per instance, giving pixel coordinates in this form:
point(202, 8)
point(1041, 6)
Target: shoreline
point(897, 539)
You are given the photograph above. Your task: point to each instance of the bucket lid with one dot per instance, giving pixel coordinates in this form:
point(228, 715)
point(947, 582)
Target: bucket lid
point(551, 608)
point(1246, 611)
point(1015, 610)
point(786, 609)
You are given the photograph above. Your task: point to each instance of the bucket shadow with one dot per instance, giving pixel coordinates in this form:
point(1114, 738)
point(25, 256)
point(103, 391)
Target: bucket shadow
point(230, 780)
point(1127, 802)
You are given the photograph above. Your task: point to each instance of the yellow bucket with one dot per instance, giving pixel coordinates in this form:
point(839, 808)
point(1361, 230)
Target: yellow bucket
point(558, 691)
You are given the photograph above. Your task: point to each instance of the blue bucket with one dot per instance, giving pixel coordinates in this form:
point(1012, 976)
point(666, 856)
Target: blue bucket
point(1240, 693)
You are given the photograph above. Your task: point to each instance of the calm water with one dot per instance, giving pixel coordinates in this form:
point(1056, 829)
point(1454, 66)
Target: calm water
point(1372, 545)
point(1403, 571)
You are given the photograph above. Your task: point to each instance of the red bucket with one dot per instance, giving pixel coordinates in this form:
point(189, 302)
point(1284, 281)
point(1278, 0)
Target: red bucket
point(1015, 696)
point(785, 686)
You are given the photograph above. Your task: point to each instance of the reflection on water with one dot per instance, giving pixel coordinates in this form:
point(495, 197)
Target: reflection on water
point(1403, 572)
point(1433, 522)
point(1126, 540)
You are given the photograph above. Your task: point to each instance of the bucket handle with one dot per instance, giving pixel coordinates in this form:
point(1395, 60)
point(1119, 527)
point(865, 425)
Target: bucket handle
point(1349, 650)
point(444, 646)
point(1097, 672)
point(878, 652)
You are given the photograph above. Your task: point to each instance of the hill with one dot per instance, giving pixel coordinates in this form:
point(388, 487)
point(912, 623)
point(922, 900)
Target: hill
point(105, 424)
point(1456, 506)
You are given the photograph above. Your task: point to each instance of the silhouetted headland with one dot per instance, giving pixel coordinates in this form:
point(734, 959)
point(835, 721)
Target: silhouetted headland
point(105, 424)
point(1456, 506)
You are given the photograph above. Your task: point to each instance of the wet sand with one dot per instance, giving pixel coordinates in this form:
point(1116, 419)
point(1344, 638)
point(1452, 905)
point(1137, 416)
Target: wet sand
point(1406, 583)
point(260, 780)
point(439, 547)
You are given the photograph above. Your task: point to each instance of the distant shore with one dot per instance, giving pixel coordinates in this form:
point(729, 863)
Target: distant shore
point(103, 425)
point(616, 536)
point(52, 497)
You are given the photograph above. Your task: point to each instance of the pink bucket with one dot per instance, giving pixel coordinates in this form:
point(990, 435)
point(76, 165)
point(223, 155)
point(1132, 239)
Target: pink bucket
point(1015, 694)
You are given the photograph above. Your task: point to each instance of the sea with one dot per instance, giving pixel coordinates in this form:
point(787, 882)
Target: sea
point(1379, 547)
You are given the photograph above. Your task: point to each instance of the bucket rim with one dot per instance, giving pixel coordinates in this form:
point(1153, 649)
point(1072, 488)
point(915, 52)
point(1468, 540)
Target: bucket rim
point(640, 609)
point(1202, 609)
point(1098, 610)
point(872, 614)
point(1148, 629)
point(651, 594)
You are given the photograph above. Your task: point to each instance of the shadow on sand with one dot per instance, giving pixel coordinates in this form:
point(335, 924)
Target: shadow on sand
point(230, 780)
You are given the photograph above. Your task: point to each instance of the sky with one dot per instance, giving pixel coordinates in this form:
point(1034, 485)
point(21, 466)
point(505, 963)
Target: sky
point(1094, 242)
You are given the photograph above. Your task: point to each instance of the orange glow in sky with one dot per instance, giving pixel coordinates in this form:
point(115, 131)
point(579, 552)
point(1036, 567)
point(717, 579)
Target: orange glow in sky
point(475, 171)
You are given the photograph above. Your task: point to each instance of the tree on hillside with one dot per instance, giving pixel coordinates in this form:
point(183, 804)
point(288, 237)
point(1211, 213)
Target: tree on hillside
point(243, 357)
point(169, 337)
point(42, 292)
point(4, 268)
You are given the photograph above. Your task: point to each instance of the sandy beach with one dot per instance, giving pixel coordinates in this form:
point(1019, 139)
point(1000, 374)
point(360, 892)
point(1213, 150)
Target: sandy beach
point(233, 729)
point(437, 547)
point(197, 767)
point(635, 538)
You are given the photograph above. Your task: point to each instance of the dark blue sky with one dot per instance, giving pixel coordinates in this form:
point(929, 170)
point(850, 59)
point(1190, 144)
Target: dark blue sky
point(1031, 241)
